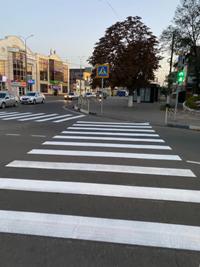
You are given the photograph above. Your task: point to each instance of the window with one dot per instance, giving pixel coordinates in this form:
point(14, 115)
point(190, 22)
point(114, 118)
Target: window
point(19, 66)
point(43, 66)
point(44, 88)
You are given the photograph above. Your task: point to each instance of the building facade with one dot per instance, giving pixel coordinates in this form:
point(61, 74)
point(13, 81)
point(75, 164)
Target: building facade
point(14, 76)
point(22, 70)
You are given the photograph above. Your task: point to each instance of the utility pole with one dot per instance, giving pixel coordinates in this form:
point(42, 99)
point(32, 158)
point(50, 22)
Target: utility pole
point(26, 64)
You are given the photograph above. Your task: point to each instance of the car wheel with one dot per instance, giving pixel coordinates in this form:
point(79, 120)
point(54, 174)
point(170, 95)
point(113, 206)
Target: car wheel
point(3, 105)
point(34, 102)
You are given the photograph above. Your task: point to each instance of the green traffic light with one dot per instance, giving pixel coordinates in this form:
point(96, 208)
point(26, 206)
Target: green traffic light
point(180, 76)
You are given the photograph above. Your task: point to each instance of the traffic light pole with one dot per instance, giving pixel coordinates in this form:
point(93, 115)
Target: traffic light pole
point(170, 68)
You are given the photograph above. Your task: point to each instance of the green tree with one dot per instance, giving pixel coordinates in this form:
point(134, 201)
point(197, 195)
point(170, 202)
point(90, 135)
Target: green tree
point(186, 30)
point(132, 52)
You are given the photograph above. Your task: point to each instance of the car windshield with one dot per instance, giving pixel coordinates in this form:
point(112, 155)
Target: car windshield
point(30, 94)
point(71, 93)
point(2, 95)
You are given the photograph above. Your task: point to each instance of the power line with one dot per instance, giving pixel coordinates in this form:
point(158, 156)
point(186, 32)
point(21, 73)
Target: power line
point(111, 7)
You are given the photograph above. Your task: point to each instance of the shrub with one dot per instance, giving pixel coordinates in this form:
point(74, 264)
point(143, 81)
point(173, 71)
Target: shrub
point(193, 102)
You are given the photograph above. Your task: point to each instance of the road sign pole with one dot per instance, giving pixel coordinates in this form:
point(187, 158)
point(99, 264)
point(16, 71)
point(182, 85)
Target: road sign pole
point(102, 96)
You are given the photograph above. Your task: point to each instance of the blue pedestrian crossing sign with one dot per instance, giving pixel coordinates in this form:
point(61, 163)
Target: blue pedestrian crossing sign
point(103, 71)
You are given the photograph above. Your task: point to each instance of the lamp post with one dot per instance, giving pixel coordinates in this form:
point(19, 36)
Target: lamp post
point(25, 41)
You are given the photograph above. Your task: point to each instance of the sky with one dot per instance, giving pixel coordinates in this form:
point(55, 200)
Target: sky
point(73, 27)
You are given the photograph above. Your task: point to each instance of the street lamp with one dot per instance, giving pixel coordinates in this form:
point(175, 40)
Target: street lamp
point(25, 40)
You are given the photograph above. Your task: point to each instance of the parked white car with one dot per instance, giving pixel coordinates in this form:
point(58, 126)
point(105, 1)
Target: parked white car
point(8, 100)
point(32, 98)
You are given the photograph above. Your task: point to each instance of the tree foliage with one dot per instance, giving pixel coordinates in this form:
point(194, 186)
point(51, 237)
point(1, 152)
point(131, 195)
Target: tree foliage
point(131, 50)
point(186, 30)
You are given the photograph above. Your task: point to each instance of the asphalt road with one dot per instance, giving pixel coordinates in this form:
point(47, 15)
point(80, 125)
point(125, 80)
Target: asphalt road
point(106, 215)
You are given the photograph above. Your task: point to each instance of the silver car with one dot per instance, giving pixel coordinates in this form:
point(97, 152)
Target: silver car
point(8, 100)
point(32, 98)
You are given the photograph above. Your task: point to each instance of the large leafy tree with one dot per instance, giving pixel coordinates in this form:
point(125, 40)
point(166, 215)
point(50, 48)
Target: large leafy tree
point(186, 32)
point(132, 52)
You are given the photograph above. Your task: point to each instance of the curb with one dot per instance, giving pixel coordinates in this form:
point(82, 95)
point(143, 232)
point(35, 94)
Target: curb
point(189, 127)
point(173, 125)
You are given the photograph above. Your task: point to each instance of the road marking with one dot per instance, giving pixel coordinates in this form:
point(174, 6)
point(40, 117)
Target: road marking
point(112, 134)
point(55, 143)
point(193, 162)
point(106, 190)
point(109, 138)
point(114, 126)
point(22, 116)
point(38, 117)
point(8, 113)
point(110, 129)
point(57, 117)
point(101, 168)
point(12, 115)
point(114, 123)
point(13, 134)
point(79, 153)
point(140, 233)
point(38, 135)
point(71, 118)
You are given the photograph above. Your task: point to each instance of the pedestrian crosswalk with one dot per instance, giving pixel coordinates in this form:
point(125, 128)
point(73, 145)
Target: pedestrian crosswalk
point(38, 117)
point(104, 150)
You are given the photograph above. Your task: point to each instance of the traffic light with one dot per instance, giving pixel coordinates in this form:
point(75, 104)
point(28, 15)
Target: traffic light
point(180, 76)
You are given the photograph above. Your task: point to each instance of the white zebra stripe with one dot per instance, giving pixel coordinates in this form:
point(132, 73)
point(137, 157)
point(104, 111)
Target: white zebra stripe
point(101, 229)
point(38, 117)
point(115, 123)
point(112, 145)
point(22, 116)
point(109, 138)
point(57, 117)
point(106, 190)
point(101, 168)
point(110, 129)
point(9, 115)
point(71, 118)
point(113, 126)
point(79, 153)
point(110, 133)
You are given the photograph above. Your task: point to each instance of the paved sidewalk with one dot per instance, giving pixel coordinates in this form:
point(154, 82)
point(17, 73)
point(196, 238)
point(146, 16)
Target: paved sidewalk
point(116, 108)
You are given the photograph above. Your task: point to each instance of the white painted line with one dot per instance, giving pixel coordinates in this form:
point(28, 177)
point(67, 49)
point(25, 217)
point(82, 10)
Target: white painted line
point(86, 144)
point(57, 117)
point(13, 134)
point(110, 129)
point(71, 118)
point(38, 117)
point(106, 190)
point(9, 115)
point(79, 153)
point(114, 126)
point(110, 138)
point(38, 135)
point(114, 123)
point(193, 162)
point(101, 168)
point(22, 116)
point(173, 236)
point(112, 134)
